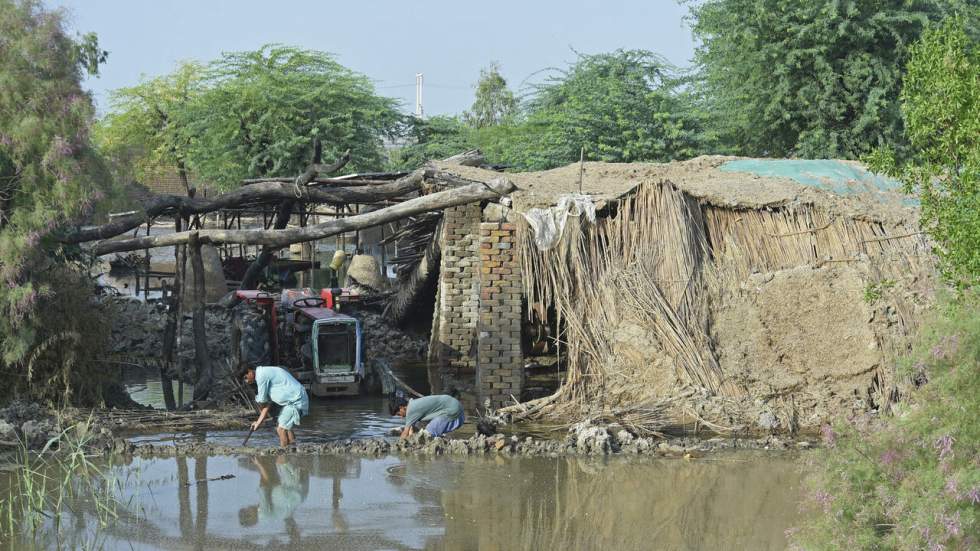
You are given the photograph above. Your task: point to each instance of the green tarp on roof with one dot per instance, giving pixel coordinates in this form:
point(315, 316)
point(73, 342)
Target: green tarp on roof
point(840, 177)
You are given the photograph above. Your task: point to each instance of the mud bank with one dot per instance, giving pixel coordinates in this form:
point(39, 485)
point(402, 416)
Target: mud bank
point(591, 442)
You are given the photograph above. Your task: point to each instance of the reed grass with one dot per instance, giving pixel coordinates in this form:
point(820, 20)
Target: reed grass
point(47, 489)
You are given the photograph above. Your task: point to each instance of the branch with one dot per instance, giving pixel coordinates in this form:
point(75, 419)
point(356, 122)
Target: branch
point(280, 238)
point(266, 192)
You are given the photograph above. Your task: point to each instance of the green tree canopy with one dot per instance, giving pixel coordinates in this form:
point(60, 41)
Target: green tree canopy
point(432, 139)
point(145, 131)
point(260, 111)
point(249, 115)
point(941, 104)
point(810, 79)
point(623, 106)
point(494, 102)
point(49, 174)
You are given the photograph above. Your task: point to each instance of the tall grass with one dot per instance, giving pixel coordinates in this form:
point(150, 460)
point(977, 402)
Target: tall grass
point(45, 491)
point(910, 480)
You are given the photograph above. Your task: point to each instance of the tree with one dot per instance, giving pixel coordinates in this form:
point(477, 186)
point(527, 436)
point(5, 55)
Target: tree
point(941, 106)
point(49, 174)
point(910, 480)
point(433, 138)
point(810, 79)
point(259, 112)
point(494, 101)
point(624, 106)
point(145, 131)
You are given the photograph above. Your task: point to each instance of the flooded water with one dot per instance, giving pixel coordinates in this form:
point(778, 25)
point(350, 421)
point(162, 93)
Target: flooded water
point(144, 387)
point(740, 501)
point(329, 418)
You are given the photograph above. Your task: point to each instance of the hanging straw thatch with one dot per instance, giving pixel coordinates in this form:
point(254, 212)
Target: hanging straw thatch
point(656, 260)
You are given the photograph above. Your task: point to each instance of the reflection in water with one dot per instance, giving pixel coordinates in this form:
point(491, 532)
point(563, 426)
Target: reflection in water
point(282, 488)
point(739, 501)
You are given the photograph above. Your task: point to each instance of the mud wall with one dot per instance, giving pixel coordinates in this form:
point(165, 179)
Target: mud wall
point(772, 318)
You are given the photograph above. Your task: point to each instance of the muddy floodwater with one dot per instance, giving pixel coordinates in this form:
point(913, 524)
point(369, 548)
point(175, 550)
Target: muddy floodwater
point(738, 501)
point(742, 500)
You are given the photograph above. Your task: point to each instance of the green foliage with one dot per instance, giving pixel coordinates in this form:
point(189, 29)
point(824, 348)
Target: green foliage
point(432, 139)
point(144, 134)
point(814, 79)
point(941, 104)
point(494, 103)
point(49, 174)
point(874, 291)
point(260, 111)
point(909, 481)
point(249, 115)
point(624, 106)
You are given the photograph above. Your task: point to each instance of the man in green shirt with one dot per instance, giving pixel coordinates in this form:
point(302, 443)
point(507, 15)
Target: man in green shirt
point(444, 413)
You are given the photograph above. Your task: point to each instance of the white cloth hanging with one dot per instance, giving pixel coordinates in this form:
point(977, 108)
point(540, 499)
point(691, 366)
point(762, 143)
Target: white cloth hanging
point(549, 224)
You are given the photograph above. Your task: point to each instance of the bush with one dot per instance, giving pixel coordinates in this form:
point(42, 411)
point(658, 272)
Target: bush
point(912, 480)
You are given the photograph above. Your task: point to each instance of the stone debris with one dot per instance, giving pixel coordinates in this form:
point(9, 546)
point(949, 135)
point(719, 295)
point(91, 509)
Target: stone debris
point(27, 424)
point(595, 440)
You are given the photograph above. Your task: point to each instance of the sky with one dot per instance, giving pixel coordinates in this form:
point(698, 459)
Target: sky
point(387, 40)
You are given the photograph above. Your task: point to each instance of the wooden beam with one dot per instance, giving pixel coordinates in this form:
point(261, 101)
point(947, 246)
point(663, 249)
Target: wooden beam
point(280, 238)
point(263, 193)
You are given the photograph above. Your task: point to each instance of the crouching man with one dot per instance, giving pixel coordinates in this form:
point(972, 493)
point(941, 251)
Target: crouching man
point(444, 414)
point(276, 385)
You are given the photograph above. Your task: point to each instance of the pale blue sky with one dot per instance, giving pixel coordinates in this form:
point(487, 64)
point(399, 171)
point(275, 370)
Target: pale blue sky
point(389, 41)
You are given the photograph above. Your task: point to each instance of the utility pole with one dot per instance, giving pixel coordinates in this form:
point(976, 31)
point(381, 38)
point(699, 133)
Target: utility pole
point(418, 95)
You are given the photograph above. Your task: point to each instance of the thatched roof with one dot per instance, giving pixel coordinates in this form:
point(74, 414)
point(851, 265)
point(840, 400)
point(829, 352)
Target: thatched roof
point(840, 187)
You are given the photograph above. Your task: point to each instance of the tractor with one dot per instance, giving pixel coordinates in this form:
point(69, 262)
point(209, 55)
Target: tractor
point(303, 331)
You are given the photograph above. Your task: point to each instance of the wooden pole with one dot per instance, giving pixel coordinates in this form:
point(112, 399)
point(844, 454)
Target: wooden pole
point(202, 383)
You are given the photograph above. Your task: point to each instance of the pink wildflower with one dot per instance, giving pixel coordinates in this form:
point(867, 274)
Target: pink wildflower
point(829, 436)
point(944, 445)
point(890, 457)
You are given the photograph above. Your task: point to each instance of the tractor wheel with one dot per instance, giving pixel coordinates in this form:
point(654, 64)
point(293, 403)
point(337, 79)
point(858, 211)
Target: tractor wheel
point(253, 330)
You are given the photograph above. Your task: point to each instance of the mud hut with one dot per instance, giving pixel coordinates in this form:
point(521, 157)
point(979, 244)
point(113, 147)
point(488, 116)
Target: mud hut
point(727, 292)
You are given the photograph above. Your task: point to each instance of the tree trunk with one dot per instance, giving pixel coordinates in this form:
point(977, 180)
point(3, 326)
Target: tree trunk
point(202, 383)
point(264, 192)
point(170, 331)
point(251, 277)
point(281, 238)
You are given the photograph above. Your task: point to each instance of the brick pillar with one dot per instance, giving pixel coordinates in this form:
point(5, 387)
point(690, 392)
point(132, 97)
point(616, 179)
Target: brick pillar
point(453, 347)
point(500, 372)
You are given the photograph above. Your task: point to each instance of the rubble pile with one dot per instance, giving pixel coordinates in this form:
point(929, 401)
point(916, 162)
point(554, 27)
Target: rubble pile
point(30, 425)
point(585, 440)
point(386, 342)
point(138, 327)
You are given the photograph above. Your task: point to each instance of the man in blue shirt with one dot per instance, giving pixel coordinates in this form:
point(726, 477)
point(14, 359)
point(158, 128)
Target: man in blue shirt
point(275, 384)
point(444, 413)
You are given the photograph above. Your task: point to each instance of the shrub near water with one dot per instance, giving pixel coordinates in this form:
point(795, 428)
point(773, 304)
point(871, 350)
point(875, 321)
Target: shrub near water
point(911, 481)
